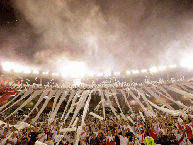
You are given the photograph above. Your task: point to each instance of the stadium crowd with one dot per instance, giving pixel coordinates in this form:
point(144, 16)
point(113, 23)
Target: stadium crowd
point(163, 130)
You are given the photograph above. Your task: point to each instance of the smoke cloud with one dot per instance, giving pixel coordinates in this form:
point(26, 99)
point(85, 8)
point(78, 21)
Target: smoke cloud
point(107, 36)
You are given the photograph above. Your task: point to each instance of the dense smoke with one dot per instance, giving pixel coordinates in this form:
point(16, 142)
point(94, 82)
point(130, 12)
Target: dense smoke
point(107, 36)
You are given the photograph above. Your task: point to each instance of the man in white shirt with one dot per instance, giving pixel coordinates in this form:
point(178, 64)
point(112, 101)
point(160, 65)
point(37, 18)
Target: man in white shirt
point(12, 140)
point(57, 137)
point(83, 133)
point(123, 139)
point(49, 141)
point(42, 137)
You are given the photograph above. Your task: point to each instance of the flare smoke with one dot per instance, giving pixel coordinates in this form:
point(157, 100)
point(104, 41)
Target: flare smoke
point(107, 36)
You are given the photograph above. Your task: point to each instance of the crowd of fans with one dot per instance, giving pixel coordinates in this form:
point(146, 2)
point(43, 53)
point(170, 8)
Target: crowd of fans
point(163, 129)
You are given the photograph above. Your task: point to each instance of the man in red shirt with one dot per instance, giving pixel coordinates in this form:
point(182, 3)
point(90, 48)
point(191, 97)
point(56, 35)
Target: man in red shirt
point(188, 130)
point(152, 133)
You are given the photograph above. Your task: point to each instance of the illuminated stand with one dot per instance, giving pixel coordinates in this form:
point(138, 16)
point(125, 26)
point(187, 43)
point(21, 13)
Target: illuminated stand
point(78, 70)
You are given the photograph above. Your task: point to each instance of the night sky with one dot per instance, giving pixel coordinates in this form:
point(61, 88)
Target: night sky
point(107, 35)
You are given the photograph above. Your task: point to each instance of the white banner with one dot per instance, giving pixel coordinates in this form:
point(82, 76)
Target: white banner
point(163, 90)
point(188, 85)
point(62, 98)
point(97, 107)
point(39, 101)
point(96, 116)
point(75, 122)
point(180, 91)
point(103, 103)
point(52, 92)
point(25, 103)
point(170, 98)
point(73, 92)
point(158, 98)
point(25, 95)
point(12, 100)
point(126, 101)
point(79, 106)
point(86, 108)
point(142, 94)
point(57, 95)
point(117, 102)
point(136, 99)
point(112, 108)
point(183, 87)
point(172, 112)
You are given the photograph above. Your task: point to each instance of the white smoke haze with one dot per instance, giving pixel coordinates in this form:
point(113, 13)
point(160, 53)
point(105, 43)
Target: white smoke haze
point(107, 36)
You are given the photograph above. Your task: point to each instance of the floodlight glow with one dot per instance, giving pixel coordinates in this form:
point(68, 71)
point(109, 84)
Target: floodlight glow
point(108, 74)
point(7, 66)
point(128, 72)
point(45, 73)
point(91, 74)
point(36, 72)
point(144, 70)
point(100, 74)
point(135, 71)
point(153, 69)
point(27, 71)
point(77, 83)
point(161, 68)
point(187, 62)
point(55, 74)
point(17, 69)
point(173, 66)
point(74, 69)
point(116, 73)
point(65, 74)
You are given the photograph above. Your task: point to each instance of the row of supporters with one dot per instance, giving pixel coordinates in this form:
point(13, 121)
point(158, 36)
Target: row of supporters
point(163, 129)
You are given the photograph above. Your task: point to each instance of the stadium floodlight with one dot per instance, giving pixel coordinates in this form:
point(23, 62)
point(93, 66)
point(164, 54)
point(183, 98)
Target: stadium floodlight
point(128, 72)
point(100, 74)
point(16, 68)
point(36, 72)
point(107, 74)
point(55, 74)
point(135, 71)
point(144, 70)
point(173, 66)
point(187, 62)
point(7, 66)
point(117, 73)
point(153, 70)
point(161, 68)
point(45, 73)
